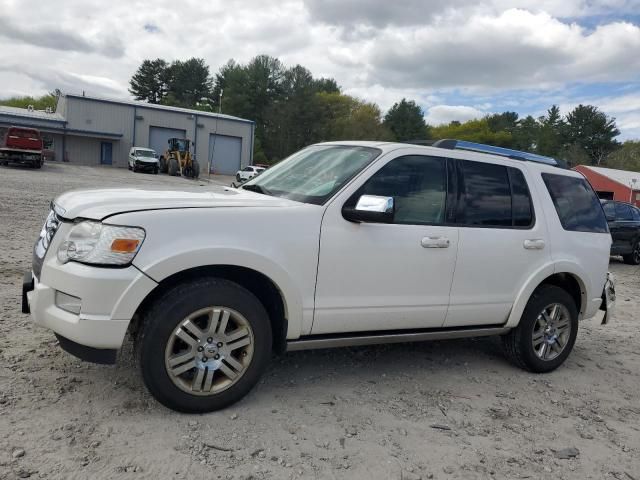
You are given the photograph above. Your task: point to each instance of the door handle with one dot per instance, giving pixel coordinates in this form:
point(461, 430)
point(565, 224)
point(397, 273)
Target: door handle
point(534, 244)
point(435, 242)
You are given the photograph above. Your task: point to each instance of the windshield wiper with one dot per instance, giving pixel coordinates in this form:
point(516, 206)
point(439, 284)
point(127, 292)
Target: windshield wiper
point(257, 189)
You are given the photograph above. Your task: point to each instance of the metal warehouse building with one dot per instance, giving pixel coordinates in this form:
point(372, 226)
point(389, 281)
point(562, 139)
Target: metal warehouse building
point(93, 131)
point(612, 184)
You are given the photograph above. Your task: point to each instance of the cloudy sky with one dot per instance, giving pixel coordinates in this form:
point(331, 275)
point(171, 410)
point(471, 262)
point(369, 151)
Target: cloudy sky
point(459, 59)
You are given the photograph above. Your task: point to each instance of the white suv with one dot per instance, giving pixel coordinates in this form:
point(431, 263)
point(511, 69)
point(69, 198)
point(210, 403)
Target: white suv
point(345, 243)
point(143, 159)
point(248, 172)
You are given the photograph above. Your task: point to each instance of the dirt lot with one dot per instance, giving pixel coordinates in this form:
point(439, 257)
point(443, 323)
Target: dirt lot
point(451, 409)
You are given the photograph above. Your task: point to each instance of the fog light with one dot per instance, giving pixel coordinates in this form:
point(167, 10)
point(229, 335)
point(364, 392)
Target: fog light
point(68, 303)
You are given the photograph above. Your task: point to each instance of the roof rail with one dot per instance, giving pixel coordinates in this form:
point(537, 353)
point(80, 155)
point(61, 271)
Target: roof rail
point(503, 152)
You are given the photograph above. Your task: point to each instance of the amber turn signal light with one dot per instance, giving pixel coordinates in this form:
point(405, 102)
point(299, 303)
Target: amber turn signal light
point(124, 245)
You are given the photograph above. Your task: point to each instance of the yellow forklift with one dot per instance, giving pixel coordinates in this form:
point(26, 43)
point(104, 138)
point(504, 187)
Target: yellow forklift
point(177, 160)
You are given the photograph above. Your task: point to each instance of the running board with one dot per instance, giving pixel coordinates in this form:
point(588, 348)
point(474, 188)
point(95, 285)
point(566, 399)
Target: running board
point(350, 340)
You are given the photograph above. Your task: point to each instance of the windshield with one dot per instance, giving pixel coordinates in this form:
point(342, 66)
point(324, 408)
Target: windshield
point(314, 174)
point(144, 153)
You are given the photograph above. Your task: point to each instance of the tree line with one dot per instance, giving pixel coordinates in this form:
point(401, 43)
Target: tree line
point(292, 109)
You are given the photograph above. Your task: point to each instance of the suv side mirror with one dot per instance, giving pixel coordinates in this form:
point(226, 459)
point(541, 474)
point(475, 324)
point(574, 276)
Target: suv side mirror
point(371, 208)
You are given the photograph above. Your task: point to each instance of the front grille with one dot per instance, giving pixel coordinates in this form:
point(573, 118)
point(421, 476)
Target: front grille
point(49, 229)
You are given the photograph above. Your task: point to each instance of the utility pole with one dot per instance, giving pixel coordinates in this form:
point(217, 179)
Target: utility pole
point(220, 101)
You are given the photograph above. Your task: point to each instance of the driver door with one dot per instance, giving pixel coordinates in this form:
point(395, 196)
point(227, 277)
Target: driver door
point(388, 276)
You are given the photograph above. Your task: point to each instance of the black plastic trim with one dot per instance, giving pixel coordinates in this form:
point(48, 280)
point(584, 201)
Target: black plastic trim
point(104, 356)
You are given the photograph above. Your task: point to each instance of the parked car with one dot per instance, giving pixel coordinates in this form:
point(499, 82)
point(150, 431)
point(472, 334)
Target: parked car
point(23, 146)
point(624, 224)
point(345, 243)
point(143, 160)
point(248, 172)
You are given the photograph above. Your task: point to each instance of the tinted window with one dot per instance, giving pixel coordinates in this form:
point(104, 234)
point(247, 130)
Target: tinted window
point(609, 210)
point(577, 205)
point(520, 199)
point(636, 214)
point(623, 212)
point(417, 184)
point(486, 195)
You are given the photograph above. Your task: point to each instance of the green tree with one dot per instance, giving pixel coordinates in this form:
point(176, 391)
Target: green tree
point(150, 82)
point(405, 119)
point(592, 131)
point(551, 133)
point(474, 131)
point(38, 103)
point(189, 83)
point(525, 135)
point(627, 157)
point(343, 117)
point(505, 121)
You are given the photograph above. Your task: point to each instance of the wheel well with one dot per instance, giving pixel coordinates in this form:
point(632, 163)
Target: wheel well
point(571, 285)
point(257, 283)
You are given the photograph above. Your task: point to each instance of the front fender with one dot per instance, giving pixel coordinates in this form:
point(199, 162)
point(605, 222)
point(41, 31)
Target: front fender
point(292, 297)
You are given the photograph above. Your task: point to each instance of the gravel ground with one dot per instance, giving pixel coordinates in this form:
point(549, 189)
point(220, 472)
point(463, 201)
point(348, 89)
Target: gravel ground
point(453, 409)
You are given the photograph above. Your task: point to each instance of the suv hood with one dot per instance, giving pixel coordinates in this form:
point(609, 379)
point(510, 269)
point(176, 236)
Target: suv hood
point(98, 204)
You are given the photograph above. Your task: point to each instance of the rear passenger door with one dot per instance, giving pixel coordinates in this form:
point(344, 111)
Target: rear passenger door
point(500, 244)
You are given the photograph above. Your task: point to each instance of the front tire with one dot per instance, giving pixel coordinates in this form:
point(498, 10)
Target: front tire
point(203, 345)
point(547, 331)
point(633, 258)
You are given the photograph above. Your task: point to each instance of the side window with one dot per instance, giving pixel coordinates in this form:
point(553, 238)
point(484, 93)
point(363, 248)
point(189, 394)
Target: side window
point(623, 213)
point(485, 195)
point(636, 214)
point(576, 203)
point(521, 203)
point(417, 184)
point(248, 169)
point(609, 210)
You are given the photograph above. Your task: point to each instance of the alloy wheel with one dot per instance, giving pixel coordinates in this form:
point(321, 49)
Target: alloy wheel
point(551, 331)
point(209, 351)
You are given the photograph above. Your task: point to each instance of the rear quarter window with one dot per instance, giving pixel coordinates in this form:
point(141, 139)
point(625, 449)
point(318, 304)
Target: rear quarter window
point(578, 206)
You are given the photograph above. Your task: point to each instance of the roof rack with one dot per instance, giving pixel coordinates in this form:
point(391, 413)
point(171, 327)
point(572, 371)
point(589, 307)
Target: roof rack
point(503, 152)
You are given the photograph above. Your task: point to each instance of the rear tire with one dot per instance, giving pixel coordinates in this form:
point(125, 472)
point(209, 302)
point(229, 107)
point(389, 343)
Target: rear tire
point(155, 171)
point(633, 258)
point(172, 167)
point(538, 348)
point(238, 177)
point(163, 165)
point(188, 311)
point(195, 169)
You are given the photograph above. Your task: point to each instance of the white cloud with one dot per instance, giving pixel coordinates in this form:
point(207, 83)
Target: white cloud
point(492, 51)
point(516, 49)
point(443, 114)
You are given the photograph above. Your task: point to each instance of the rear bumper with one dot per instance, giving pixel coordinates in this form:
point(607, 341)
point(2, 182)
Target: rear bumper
point(608, 303)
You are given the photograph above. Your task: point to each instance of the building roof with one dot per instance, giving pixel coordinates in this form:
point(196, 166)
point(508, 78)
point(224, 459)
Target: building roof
point(624, 177)
point(158, 107)
point(30, 114)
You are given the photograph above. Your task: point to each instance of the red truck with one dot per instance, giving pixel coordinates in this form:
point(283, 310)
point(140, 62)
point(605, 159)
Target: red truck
point(22, 145)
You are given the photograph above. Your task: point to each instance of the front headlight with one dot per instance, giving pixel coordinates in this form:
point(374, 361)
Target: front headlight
point(99, 244)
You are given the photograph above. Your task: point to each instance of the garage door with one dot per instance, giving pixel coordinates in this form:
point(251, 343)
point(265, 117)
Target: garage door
point(224, 154)
point(158, 137)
